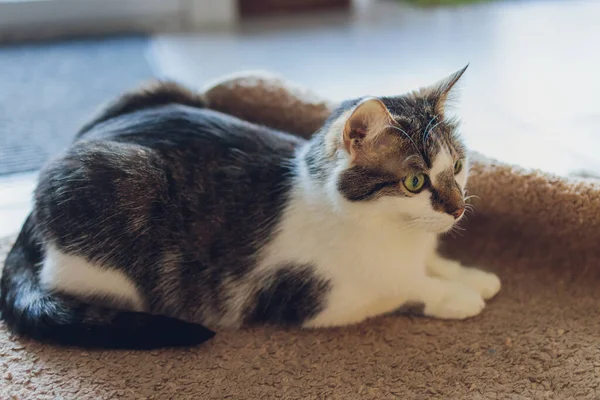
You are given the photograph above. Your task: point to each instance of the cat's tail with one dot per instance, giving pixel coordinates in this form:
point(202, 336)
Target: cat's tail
point(150, 95)
point(30, 310)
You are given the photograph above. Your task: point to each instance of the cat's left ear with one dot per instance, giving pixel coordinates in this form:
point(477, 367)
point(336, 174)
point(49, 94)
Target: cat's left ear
point(441, 92)
point(368, 119)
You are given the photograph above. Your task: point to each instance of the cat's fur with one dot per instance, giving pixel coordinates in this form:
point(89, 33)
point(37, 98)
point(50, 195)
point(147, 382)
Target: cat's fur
point(163, 212)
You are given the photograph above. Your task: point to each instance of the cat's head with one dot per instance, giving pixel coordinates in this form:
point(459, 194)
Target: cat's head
point(401, 156)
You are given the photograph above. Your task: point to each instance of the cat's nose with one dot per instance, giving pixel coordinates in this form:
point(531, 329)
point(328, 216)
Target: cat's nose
point(458, 213)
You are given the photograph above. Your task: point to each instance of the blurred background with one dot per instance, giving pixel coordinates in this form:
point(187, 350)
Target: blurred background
point(530, 96)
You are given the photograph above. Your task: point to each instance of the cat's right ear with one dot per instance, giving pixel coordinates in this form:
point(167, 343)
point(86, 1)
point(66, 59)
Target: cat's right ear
point(368, 119)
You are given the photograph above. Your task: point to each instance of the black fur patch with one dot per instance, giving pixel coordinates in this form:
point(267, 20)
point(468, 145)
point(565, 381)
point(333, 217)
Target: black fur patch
point(361, 184)
point(293, 296)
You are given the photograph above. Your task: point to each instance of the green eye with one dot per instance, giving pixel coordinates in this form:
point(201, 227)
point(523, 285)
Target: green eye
point(414, 183)
point(458, 166)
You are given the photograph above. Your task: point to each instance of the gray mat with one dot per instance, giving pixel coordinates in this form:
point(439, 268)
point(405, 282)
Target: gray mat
point(47, 90)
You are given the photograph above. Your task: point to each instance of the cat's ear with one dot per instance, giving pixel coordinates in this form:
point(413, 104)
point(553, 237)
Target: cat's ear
point(442, 92)
point(368, 119)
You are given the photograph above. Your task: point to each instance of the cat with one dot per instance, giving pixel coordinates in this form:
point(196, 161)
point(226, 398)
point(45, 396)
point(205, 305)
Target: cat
point(166, 221)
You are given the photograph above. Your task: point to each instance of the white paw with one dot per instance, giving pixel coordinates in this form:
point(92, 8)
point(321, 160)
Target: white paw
point(484, 283)
point(459, 302)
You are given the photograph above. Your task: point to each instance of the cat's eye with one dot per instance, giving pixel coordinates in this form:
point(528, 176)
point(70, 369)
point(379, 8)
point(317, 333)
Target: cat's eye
point(458, 166)
point(414, 183)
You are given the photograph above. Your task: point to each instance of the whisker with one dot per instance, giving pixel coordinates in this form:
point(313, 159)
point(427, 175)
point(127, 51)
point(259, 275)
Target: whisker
point(405, 134)
point(409, 226)
point(411, 156)
point(469, 207)
point(457, 230)
point(453, 233)
point(427, 130)
point(472, 197)
point(470, 213)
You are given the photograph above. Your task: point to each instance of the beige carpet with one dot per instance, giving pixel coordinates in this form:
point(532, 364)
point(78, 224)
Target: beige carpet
point(540, 338)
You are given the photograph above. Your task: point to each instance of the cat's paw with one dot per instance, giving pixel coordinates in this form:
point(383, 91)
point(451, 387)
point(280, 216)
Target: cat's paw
point(484, 283)
point(459, 302)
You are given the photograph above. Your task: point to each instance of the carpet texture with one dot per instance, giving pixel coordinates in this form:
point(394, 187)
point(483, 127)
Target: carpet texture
point(48, 90)
point(538, 339)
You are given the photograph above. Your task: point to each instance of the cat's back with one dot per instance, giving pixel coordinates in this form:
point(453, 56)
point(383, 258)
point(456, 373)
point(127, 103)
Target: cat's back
point(168, 174)
point(178, 126)
point(170, 188)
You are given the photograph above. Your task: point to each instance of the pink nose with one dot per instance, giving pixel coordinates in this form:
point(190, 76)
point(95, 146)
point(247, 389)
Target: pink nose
point(458, 213)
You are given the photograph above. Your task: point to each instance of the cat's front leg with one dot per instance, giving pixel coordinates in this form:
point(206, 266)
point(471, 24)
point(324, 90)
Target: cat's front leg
point(485, 283)
point(445, 299)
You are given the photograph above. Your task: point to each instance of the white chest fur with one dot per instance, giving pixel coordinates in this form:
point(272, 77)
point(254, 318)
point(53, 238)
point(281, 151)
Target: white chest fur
point(369, 259)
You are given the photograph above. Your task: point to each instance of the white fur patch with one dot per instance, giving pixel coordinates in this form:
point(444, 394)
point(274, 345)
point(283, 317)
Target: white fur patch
point(374, 254)
point(76, 276)
point(484, 283)
point(442, 162)
point(369, 258)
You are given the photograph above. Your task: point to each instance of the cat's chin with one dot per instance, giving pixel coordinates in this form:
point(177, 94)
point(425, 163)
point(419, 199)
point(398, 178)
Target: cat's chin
point(444, 230)
point(439, 229)
point(429, 224)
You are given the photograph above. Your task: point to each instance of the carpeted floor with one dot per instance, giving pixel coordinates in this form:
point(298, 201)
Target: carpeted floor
point(538, 339)
point(48, 90)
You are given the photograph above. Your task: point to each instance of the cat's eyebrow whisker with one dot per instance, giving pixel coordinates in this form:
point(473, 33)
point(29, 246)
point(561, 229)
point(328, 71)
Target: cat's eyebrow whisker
point(405, 134)
point(426, 132)
point(410, 157)
point(419, 161)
